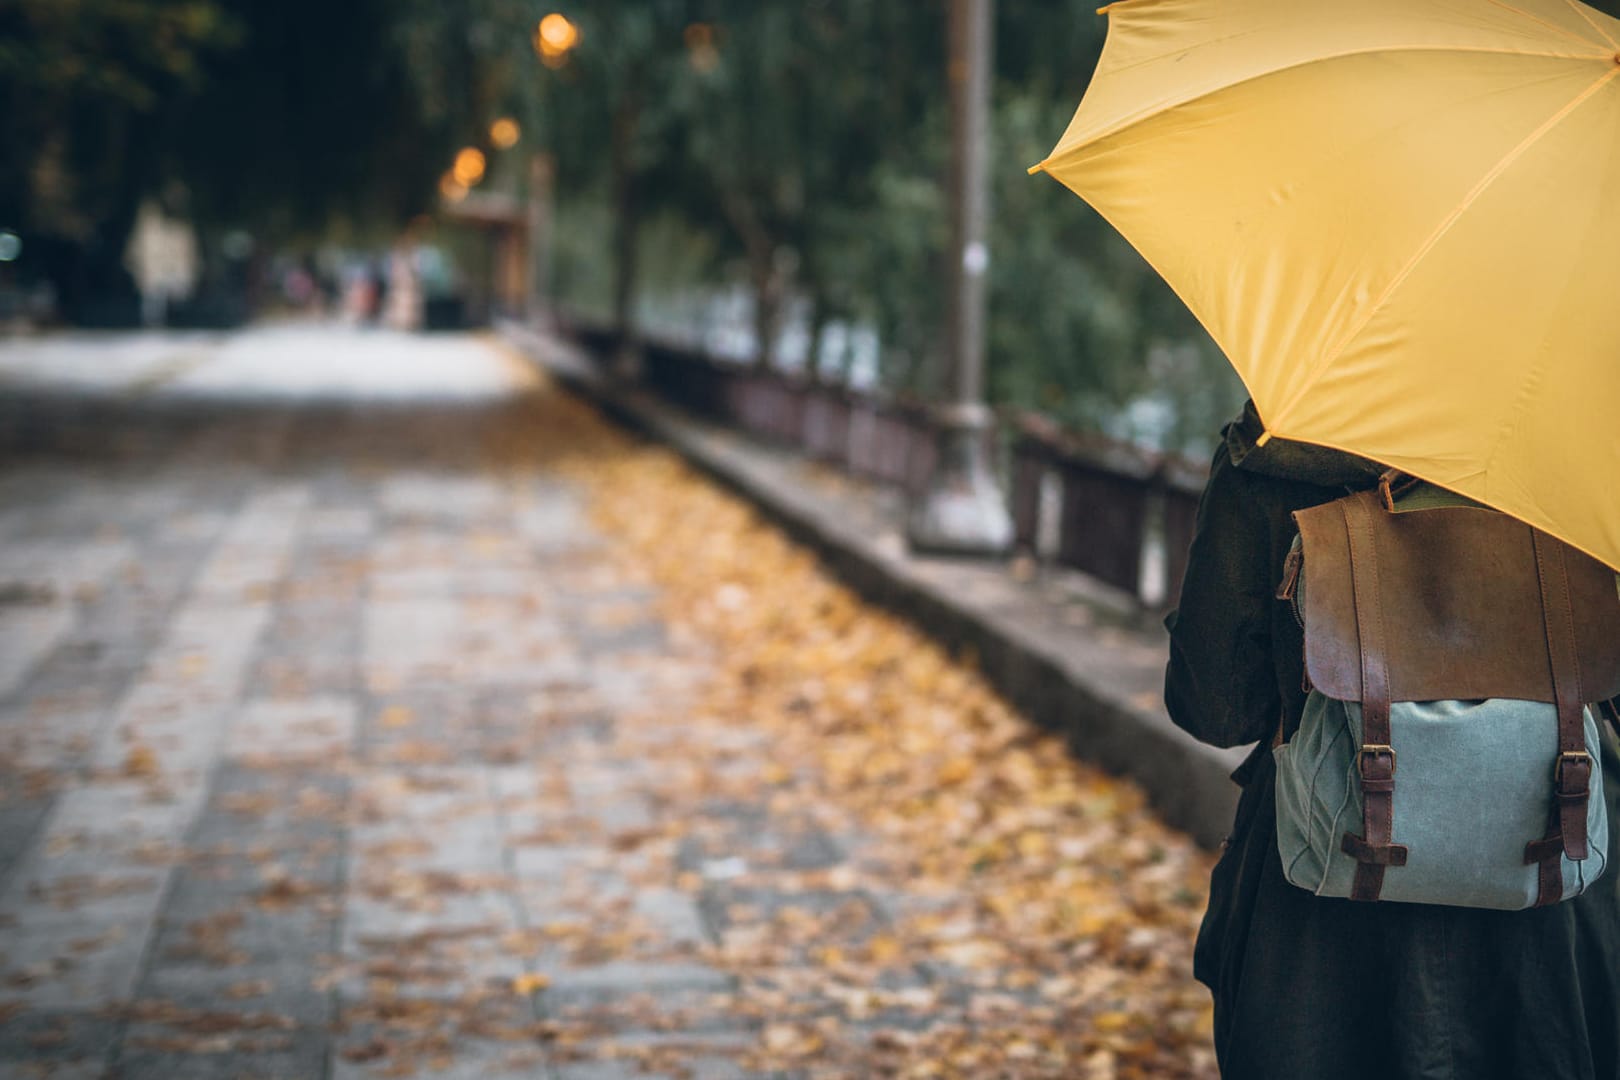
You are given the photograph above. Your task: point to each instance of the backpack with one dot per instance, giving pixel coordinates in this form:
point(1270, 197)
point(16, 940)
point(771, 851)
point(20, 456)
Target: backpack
point(1445, 754)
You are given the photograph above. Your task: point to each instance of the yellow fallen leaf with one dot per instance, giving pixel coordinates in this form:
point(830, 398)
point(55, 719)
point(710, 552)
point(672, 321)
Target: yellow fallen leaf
point(528, 984)
point(140, 761)
point(1092, 923)
point(884, 949)
point(1111, 1021)
point(792, 1041)
point(396, 716)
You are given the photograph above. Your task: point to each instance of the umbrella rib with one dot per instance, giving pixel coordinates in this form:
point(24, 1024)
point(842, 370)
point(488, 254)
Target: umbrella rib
point(1544, 22)
point(1580, 9)
point(1434, 238)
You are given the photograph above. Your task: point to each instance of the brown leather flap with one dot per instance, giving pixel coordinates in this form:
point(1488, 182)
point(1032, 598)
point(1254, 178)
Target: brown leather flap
point(1461, 601)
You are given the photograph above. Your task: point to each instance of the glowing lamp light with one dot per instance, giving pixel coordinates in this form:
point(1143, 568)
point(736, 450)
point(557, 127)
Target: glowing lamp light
point(469, 166)
point(504, 133)
point(452, 189)
point(701, 48)
point(554, 38)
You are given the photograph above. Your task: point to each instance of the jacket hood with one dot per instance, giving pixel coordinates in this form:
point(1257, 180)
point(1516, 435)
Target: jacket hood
point(1288, 459)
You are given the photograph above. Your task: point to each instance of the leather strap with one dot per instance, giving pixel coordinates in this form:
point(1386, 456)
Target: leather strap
point(1572, 770)
point(1374, 849)
point(1392, 485)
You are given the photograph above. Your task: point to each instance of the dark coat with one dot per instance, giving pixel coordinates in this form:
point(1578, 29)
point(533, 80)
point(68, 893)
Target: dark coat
point(1308, 988)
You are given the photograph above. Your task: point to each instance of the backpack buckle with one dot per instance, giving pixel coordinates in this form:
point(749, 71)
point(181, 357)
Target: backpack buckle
point(1375, 752)
point(1580, 782)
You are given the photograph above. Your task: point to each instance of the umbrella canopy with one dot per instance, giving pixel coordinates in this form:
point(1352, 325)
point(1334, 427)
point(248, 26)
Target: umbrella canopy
point(1400, 219)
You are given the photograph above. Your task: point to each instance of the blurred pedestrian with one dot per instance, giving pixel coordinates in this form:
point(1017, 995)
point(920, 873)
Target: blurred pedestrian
point(377, 277)
point(162, 256)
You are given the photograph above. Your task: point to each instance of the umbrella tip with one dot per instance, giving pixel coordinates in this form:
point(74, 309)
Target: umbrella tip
point(1039, 166)
point(1265, 437)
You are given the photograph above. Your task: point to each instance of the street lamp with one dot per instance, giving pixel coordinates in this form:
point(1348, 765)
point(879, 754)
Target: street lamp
point(452, 189)
point(702, 52)
point(504, 133)
point(554, 39)
point(469, 166)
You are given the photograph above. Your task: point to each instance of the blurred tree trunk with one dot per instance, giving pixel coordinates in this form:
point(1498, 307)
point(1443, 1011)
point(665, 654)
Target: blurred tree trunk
point(765, 278)
point(820, 316)
point(768, 296)
point(626, 226)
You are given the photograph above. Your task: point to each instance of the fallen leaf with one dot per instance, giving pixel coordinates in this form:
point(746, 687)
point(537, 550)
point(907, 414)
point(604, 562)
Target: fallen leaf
point(528, 984)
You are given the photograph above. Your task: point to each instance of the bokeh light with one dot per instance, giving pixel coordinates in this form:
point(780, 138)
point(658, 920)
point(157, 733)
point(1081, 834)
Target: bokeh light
point(554, 38)
point(469, 166)
point(504, 133)
point(702, 51)
point(452, 189)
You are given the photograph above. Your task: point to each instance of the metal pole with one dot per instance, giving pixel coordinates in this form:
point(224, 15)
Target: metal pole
point(963, 510)
point(541, 173)
point(971, 47)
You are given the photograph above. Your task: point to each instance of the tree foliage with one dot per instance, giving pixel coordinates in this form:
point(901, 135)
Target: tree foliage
point(805, 147)
point(282, 118)
point(83, 92)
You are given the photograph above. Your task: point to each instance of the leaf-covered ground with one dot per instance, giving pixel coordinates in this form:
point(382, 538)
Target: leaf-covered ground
point(369, 709)
point(1042, 918)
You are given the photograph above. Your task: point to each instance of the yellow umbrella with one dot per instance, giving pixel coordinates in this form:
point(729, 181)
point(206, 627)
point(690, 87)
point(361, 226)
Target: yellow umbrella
point(1399, 218)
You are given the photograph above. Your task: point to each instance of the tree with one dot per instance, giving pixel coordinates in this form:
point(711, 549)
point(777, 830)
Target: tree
point(791, 119)
point(286, 118)
point(85, 90)
point(314, 118)
point(621, 84)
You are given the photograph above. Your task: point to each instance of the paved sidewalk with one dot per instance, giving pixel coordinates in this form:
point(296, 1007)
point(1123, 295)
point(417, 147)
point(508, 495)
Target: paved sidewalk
point(1075, 656)
point(337, 741)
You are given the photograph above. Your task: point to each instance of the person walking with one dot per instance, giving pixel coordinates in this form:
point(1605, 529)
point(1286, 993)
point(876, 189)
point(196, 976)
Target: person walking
point(1325, 988)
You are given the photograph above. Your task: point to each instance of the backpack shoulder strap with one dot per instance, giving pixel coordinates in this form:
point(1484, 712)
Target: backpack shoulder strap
point(1375, 848)
point(1572, 772)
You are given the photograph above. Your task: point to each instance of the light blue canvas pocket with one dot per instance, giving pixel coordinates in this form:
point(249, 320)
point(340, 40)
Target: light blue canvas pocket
point(1473, 786)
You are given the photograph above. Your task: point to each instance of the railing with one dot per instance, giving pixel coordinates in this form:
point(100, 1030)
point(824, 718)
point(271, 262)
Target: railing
point(1107, 509)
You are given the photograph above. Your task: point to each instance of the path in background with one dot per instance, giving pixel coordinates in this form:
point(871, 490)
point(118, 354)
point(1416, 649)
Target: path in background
point(369, 708)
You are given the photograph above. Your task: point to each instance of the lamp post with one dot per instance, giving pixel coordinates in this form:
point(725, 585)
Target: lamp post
point(542, 171)
point(963, 511)
point(555, 37)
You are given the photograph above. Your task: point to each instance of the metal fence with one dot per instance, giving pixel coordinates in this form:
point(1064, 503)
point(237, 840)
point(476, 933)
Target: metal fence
point(1107, 509)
